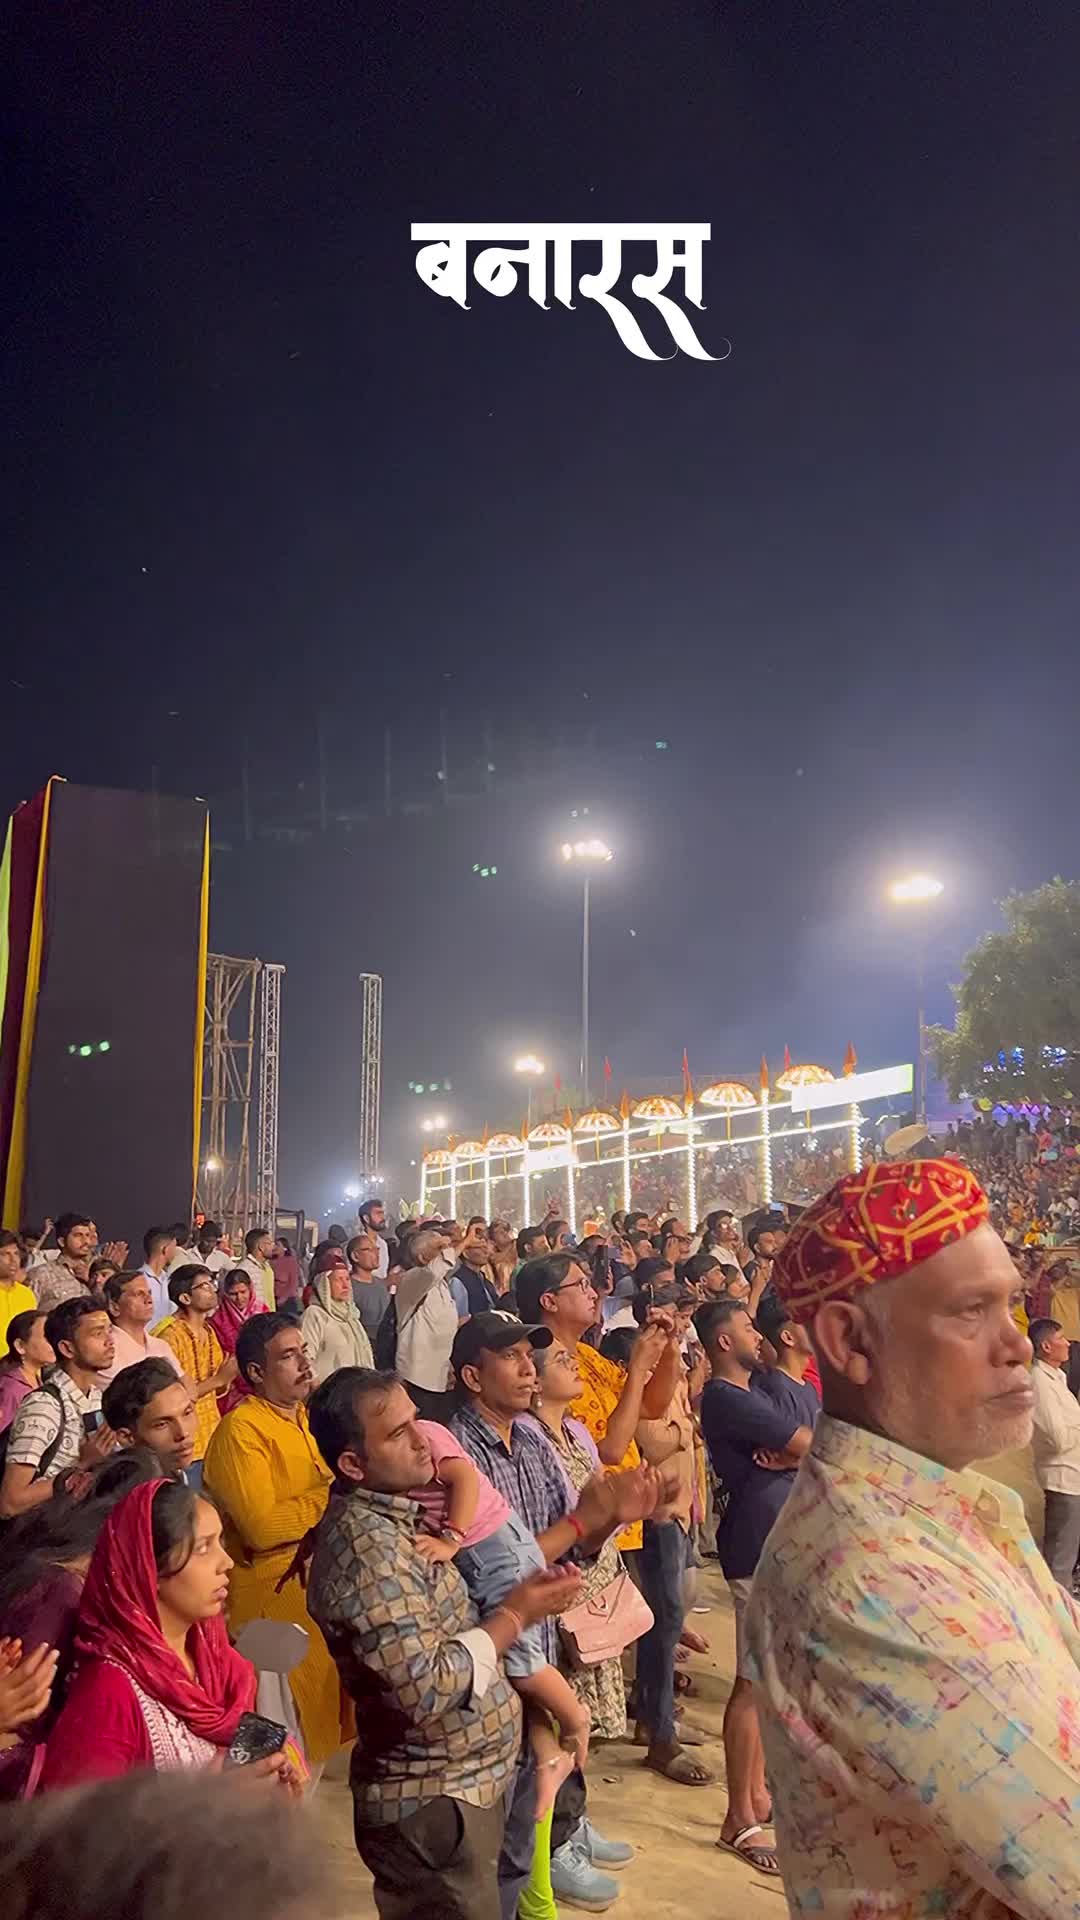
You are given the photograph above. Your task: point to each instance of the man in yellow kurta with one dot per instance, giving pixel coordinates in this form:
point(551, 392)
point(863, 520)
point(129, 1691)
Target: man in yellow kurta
point(266, 1473)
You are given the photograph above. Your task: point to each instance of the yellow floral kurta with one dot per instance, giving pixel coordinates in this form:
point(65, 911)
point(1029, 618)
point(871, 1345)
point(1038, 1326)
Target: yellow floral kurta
point(267, 1475)
point(602, 1387)
point(919, 1692)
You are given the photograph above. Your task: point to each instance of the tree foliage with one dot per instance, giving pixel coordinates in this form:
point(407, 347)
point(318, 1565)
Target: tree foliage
point(1017, 1030)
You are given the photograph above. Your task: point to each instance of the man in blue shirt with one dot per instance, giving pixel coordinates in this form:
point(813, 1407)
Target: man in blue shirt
point(755, 1446)
point(785, 1381)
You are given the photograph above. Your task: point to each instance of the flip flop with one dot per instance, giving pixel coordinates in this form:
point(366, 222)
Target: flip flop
point(690, 1736)
point(762, 1859)
point(686, 1736)
point(683, 1771)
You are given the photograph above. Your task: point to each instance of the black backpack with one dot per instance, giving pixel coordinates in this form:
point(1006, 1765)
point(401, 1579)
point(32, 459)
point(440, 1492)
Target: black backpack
point(385, 1348)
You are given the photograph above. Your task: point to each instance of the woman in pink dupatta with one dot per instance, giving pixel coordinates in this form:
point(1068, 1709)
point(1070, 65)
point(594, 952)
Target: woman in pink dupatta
point(239, 1303)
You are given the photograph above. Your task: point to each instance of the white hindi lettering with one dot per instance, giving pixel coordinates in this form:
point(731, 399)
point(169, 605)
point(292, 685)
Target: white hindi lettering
point(443, 265)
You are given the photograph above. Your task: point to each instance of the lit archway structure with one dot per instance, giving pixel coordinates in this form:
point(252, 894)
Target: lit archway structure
point(692, 1138)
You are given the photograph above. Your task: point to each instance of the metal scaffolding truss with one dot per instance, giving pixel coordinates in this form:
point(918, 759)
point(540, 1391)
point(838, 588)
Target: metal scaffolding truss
point(266, 1154)
point(370, 1075)
point(236, 992)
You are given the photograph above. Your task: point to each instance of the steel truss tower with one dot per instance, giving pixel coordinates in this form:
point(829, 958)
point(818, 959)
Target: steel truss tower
point(266, 1152)
point(237, 992)
point(370, 1076)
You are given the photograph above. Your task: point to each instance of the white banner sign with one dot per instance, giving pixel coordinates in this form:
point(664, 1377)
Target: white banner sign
point(546, 1158)
point(853, 1088)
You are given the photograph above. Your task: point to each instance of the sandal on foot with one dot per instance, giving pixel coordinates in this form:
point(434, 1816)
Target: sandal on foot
point(690, 1736)
point(762, 1859)
point(684, 1771)
point(693, 1641)
point(686, 1736)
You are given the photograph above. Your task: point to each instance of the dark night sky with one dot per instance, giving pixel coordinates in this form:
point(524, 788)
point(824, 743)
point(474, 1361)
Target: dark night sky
point(257, 467)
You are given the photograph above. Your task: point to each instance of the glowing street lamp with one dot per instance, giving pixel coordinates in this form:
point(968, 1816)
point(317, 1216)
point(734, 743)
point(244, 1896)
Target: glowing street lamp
point(586, 854)
point(917, 890)
point(534, 1069)
point(915, 887)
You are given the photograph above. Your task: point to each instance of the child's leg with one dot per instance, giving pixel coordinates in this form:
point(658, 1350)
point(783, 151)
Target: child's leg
point(490, 1569)
point(536, 1900)
point(554, 1763)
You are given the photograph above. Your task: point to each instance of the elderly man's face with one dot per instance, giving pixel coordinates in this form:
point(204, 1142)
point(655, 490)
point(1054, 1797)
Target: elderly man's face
point(934, 1359)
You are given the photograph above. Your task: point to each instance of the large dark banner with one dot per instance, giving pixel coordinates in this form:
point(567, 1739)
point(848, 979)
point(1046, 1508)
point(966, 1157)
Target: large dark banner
point(112, 1097)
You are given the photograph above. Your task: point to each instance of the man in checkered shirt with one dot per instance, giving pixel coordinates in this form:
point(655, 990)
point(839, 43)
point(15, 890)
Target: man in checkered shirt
point(439, 1726)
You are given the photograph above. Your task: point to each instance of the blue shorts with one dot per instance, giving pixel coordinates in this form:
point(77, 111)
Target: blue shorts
point(489, 1570)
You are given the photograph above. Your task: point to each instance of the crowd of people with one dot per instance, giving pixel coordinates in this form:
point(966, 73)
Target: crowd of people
point(439, 1491)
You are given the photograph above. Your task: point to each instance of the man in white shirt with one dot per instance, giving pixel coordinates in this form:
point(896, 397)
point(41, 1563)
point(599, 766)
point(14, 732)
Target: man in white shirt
point(212, 1255)
point(1056, 1449)
point(373, 1221)
point(159, 1248)
point(258, 1246)
point(427, 1321)
point(130, 1306)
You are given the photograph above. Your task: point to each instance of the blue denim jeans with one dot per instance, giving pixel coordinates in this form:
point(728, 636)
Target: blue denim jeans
point(665, 1556)
point(489, 1570)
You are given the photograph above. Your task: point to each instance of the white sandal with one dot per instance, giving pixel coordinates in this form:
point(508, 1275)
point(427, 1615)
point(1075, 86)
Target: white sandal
point(762, 1859)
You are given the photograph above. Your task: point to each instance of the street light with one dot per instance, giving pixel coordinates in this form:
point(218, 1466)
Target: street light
point(918, 889)
point(528, 1064)
point(435, 1123)
point(587, 854)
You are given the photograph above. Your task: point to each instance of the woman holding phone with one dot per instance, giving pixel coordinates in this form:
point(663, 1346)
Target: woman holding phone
point(157, 1683)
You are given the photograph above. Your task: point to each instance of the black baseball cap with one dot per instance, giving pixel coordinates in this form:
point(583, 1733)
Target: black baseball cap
point(493, 1333)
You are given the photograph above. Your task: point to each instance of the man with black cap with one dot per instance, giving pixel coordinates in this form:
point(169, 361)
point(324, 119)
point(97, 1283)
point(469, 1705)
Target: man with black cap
point(493, 1366)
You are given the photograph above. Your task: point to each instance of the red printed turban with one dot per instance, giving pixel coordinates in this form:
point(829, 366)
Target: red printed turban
point(873, 1226)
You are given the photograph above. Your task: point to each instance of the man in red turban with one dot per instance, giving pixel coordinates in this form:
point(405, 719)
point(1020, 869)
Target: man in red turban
point(917, 1669)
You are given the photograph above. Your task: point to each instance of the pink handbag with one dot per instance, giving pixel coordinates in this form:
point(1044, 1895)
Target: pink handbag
point(603, 1628)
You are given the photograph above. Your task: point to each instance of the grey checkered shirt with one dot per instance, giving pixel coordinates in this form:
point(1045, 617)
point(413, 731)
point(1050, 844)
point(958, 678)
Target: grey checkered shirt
point(392, 1623)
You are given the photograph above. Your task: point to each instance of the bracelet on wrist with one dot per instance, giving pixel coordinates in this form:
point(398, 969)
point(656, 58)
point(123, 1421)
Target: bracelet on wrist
point(576, 1524)
point(515, 1617)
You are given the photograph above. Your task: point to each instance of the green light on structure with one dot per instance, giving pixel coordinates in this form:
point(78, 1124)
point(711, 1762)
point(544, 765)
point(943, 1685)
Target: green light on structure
point(86, 1051)
point(104, 1046)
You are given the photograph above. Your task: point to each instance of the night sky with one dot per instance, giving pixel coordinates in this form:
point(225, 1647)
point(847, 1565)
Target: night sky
point(267, 488)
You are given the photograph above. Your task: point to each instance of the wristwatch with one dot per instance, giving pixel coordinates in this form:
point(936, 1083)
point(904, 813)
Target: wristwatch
point(455, 1534)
